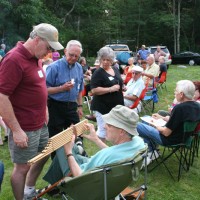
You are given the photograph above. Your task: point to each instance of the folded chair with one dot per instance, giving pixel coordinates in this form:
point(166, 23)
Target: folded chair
point(104, 183)
point(150, 98)
point(87, 99)
point(180, 151)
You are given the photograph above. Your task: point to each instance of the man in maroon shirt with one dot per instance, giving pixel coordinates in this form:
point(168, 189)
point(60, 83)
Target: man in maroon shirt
point(23, 99)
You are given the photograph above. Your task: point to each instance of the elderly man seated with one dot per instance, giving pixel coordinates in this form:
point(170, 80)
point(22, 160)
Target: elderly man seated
point(121, 131)
point(172, 133)
point(152, 70)
point(134, 87)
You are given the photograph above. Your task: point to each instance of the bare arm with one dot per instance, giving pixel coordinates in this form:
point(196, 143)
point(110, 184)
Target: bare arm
point(102, 90)
point(164, 130)
point(93, 136)
point(147, 75)
point(132, 98)
point(73, 165)
point(6, 111)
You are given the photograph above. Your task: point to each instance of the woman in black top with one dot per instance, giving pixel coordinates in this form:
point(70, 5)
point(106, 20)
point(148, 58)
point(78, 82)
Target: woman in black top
point(106, 86)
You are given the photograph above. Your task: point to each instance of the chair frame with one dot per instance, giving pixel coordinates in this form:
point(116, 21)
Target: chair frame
point(122, 174)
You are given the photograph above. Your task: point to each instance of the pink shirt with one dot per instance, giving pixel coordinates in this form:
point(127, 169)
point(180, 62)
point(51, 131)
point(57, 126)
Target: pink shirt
point(23, 80)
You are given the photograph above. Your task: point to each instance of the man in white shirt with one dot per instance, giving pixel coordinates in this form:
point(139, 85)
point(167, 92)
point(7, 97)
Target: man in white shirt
point(134, 86)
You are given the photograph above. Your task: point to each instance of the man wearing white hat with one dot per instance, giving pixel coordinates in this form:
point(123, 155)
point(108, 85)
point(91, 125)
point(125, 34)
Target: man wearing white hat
point(121, 123)
point(134, 86)
point(23, 105)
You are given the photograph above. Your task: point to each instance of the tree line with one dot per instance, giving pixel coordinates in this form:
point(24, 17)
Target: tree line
point(174, 23)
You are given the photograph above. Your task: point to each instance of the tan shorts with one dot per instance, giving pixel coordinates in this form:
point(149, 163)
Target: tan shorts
point(37, 140)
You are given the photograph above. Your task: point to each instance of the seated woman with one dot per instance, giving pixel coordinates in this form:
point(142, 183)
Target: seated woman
point(128, 70)
point(172, 133)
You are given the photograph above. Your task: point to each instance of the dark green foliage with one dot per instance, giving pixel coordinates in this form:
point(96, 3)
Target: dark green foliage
point(98, 22)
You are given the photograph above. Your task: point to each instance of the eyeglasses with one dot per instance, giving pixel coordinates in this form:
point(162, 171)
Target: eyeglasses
point(136, 73)
point(74, 55)
point(49, 48)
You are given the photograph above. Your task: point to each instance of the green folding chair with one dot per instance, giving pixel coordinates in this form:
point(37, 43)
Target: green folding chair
point(104, 183)
point(181, 151)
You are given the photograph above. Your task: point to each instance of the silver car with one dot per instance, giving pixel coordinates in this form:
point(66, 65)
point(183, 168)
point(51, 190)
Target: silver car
point(168, 58)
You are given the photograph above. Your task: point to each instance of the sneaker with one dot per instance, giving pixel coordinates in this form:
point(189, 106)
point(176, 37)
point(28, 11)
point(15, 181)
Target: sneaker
point(149, 160)
point(153, 155)
point(79, 143)
point(32, 195)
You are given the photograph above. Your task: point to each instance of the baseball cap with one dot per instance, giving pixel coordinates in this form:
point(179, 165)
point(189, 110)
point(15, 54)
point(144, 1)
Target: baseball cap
point(49, 33)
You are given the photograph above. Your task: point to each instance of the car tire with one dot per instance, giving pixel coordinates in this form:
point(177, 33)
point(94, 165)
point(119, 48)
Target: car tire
point(191, 62)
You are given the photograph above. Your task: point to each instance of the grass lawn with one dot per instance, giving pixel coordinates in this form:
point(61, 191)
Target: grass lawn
point(160, 184)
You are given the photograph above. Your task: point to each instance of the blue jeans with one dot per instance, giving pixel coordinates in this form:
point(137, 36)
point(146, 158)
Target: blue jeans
point(150, 135)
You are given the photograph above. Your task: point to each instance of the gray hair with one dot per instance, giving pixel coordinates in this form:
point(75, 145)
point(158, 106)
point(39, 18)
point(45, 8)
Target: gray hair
point(106, 52)
point(187, 87)
point(151, 56)
point(3, 46)
point(81, 59)
point(74, 43)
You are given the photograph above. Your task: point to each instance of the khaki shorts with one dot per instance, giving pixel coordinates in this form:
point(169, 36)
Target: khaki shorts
point(37, 140)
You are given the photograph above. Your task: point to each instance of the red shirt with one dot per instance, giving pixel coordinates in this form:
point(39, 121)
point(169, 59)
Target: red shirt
point(23, 80)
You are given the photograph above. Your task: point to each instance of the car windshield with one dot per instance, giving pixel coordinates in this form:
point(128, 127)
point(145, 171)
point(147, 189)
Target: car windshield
point(119, 48)
point(153, 49)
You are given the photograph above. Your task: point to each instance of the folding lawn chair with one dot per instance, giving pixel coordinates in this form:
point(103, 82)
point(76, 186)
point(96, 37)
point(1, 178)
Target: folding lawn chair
point(104, 183)
point(151, 97)
point(181, 151)
point(162, 81)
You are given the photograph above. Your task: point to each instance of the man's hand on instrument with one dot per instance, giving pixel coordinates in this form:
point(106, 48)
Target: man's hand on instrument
point(92, 135)
point(20, 139)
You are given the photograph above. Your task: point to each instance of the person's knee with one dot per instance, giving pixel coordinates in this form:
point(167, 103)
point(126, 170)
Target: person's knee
point(21, 169)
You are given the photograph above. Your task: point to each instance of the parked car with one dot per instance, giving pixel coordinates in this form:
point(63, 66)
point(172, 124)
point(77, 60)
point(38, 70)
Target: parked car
point(122, 52)
point(168, 58)
point(186, 57)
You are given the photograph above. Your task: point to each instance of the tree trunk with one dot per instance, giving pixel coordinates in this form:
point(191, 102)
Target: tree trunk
point(178, 25)
point(174, 25)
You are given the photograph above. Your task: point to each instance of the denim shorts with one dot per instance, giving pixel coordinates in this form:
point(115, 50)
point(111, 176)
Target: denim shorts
point(37, 141)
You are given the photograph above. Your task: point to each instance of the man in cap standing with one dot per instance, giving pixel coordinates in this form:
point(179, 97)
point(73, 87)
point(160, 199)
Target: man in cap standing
point(134, 86)
point(143, 53)
point(23, 98)
point(121, 123)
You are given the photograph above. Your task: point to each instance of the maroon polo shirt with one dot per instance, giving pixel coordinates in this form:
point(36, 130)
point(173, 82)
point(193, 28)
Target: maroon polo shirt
point(23, 80)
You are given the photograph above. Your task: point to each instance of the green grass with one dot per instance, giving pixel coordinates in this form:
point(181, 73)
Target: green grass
point(160, 184)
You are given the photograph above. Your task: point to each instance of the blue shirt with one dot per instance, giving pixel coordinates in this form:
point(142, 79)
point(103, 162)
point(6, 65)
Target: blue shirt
point(143, 54)
point(60, 72)
point(114, 154)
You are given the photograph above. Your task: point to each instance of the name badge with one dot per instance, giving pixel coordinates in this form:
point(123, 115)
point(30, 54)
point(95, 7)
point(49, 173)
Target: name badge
point(40, 74)
point(111, 78)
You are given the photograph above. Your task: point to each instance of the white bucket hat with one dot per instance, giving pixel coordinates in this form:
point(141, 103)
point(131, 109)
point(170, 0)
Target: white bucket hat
point(124, 118)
